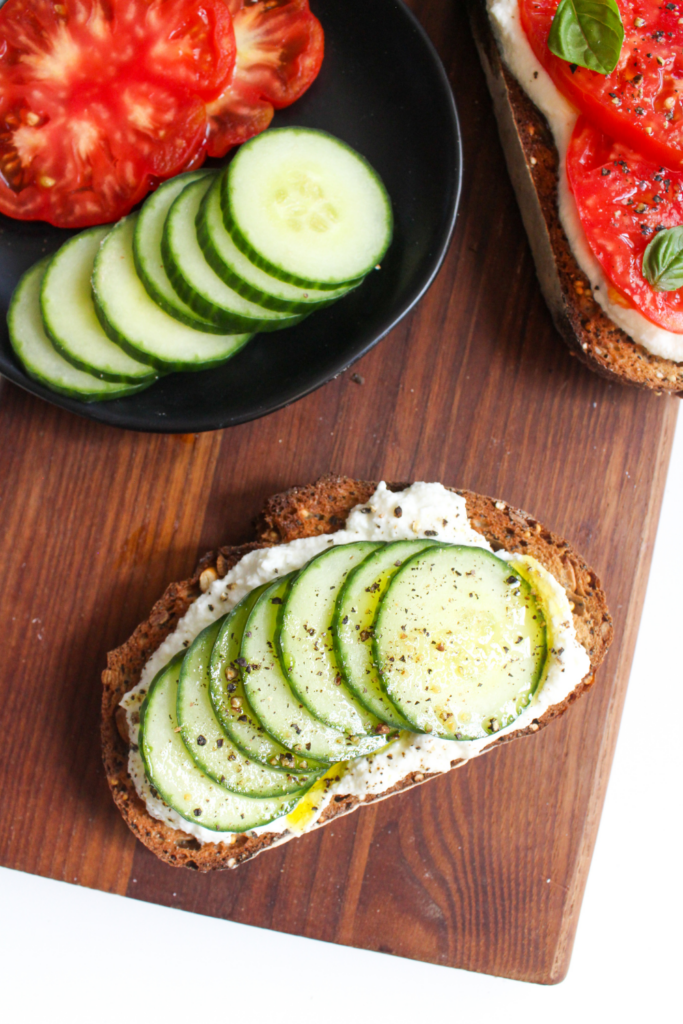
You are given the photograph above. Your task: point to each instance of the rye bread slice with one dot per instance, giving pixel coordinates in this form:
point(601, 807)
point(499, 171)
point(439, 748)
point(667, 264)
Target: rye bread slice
point(532, 161)
point(307, 511)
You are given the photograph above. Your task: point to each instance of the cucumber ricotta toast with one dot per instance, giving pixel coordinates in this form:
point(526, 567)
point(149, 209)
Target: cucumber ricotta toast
point(295, 222)
point(371, 637)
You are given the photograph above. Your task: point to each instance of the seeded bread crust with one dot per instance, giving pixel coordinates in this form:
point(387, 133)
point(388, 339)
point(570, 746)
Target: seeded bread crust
point(308, 511)
point(532, 161)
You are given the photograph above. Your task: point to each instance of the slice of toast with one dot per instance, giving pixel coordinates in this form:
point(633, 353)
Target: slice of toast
point(307, 511)
point(532, 162)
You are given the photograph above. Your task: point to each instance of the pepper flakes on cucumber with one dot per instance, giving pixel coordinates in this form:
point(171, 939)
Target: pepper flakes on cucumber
point(458, 648)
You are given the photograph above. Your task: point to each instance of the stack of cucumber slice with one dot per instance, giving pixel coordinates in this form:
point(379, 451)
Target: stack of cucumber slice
point(295, 222)
point(326, 664)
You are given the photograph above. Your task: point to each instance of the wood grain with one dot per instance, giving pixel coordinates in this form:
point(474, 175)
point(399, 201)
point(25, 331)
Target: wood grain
point(483, 869)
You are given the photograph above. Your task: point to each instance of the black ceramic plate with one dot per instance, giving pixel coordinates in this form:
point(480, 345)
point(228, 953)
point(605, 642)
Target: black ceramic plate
point(383, 90)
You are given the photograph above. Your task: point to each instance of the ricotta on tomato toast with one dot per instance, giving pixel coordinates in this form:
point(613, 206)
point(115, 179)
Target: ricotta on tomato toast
point(262, 699)
point(587, 153)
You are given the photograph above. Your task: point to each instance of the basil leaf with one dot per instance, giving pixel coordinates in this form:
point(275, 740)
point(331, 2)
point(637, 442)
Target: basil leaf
point(588, 33)
point(663, 260)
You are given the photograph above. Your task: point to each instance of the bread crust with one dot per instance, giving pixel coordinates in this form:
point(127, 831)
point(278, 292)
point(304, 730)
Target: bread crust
point(532, 161)
point(308, 511)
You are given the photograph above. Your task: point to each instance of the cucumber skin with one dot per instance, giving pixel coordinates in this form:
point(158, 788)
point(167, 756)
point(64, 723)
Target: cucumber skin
point(270, 268)
point(226, 722)
point(228, 324)
point(67, 392)
point(198, 325)
point(299, 692)
point(149, 774)
point(80, 364)
point(308, 780)
point(399, 722)
point(114, 378)
point(131, 389)
point(346, 755)
point(163, 366)
point(157, 296)
point(242, 288)
point(378, 660)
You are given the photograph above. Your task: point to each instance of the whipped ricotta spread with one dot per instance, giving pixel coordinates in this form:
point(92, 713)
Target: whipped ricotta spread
point(561, 115)
point(427, 509)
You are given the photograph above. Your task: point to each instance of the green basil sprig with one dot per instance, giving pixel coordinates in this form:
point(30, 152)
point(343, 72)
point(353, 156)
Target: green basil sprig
point(589, 33)
point(663, 260)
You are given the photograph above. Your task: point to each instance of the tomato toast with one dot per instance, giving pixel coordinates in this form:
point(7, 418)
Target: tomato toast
point(595, 208)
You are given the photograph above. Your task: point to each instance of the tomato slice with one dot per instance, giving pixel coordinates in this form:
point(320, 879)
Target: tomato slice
point(100, 99)
point(623, 200)
point(280, 46)
point(641, 102)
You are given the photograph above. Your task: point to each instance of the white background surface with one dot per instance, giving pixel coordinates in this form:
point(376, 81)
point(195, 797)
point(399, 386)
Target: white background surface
point(72, 954)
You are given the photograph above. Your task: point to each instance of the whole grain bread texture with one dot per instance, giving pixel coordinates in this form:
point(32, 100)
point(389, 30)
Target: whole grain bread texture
point(532, 161)
point(321, 507)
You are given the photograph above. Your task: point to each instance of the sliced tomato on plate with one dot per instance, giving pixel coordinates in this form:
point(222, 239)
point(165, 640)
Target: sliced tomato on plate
point(192, 41)
point(623, 200)
point(280, 46)
point(101, 100)
point(641, 102)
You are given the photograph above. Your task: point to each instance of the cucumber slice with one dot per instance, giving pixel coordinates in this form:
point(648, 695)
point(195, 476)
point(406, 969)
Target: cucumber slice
point(195, 281)
point(69, 316)
point(306, 640)
point(133, 320)
point(306, 208)
point(39, 357)
point(229, 699)
point(179, 781)
point(252, 283)
point(352, 625)
point(210, 748)
point(147, 253)
point(272, 699)
point(460, 642)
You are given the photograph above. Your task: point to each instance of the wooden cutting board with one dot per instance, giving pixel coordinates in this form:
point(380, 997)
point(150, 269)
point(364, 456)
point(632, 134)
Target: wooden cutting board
point(484, 869)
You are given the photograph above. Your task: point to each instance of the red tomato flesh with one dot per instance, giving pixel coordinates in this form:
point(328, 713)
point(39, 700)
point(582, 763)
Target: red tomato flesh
point(280, 47)
point(623, 200)
point(101, 99)
point(641, 102)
